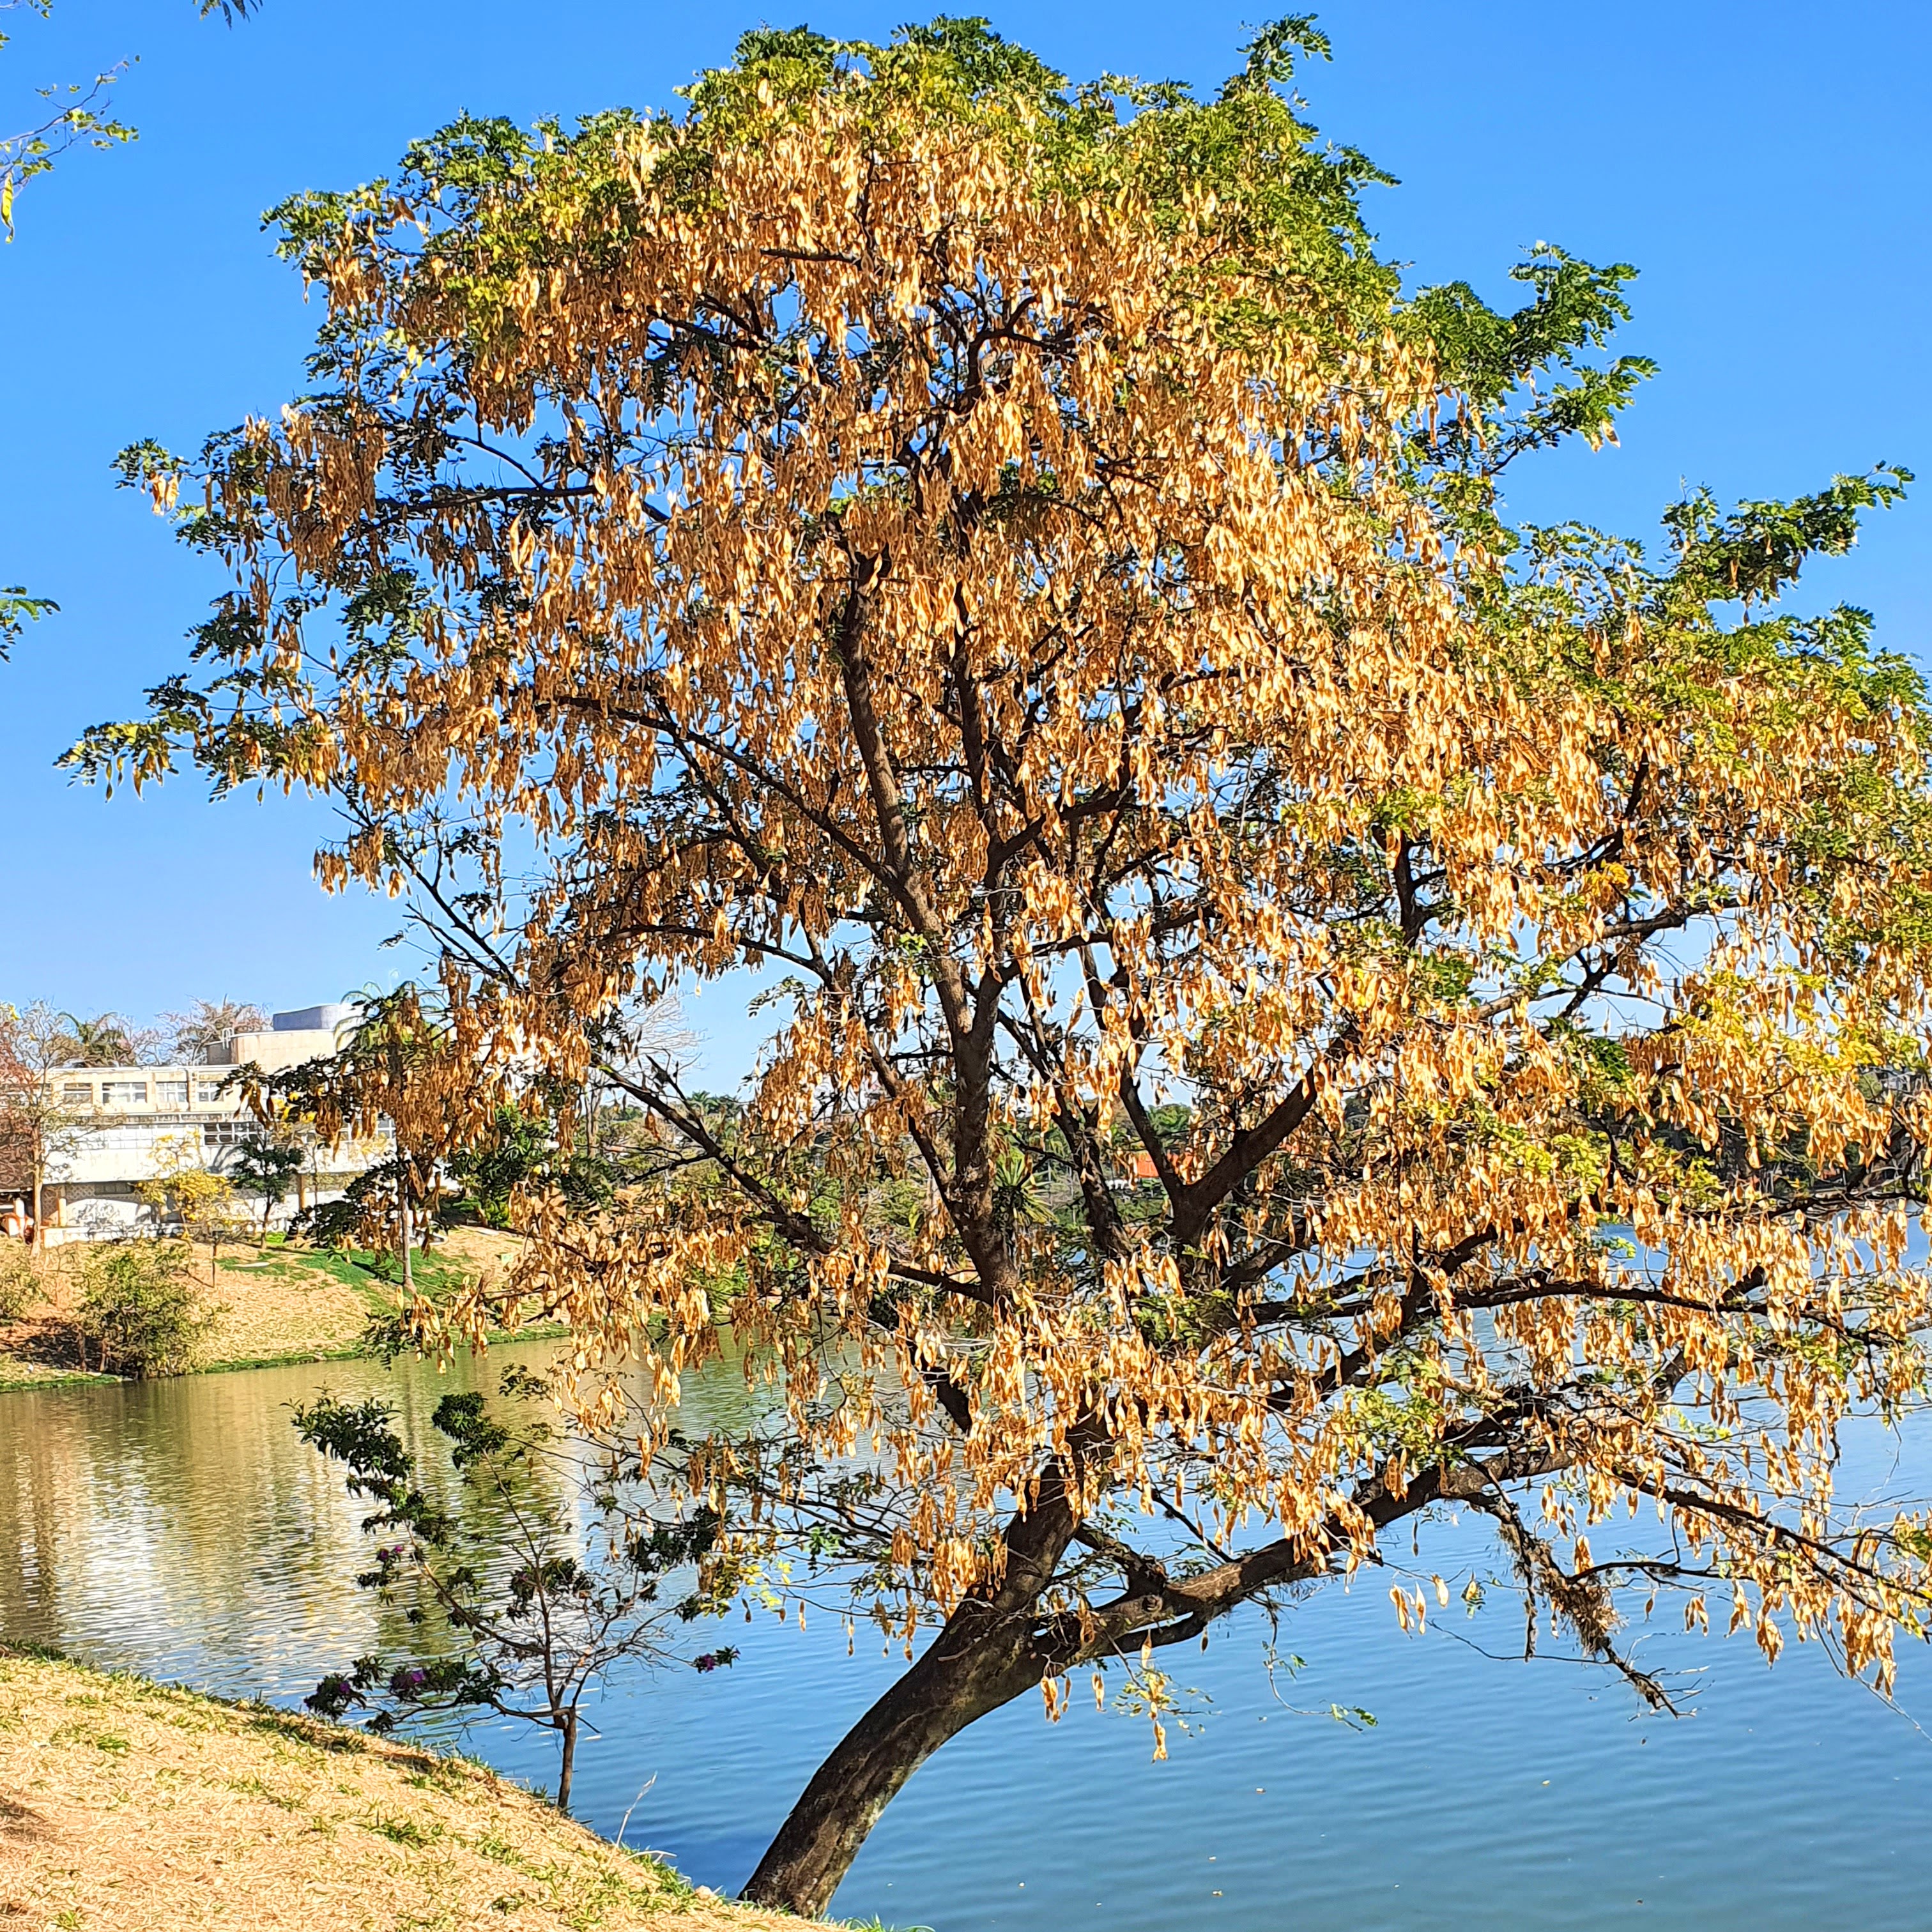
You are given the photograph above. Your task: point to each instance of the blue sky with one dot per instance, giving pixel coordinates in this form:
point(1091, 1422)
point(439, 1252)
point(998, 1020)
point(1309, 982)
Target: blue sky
point(1764, 164)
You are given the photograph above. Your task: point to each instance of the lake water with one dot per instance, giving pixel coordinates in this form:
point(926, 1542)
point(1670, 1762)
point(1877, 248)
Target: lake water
point(181, 1528)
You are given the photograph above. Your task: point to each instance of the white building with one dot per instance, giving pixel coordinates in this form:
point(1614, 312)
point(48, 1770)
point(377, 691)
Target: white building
point(141, 1120)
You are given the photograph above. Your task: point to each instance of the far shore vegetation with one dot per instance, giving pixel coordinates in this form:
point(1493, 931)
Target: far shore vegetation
point(278, 1302)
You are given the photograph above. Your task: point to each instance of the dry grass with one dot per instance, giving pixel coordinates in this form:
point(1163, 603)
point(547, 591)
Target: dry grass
point(277, 1304)
point(127, 1804)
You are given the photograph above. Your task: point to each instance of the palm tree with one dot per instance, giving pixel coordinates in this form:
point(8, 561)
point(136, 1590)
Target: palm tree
point(102, 1041)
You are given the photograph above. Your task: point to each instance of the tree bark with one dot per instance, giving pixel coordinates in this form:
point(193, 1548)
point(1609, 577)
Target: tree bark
point(983, 1658)
point(567, 1725)
point(403, 1230)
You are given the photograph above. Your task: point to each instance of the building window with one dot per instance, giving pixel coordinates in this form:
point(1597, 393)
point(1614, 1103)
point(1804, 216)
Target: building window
point(205, 1090)
point(229, 1133)
point(77, 1093)
point(171, 1093)
point(121, 1093)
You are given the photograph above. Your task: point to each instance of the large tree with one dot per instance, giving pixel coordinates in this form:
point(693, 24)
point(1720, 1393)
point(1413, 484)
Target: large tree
point(1304, 1005)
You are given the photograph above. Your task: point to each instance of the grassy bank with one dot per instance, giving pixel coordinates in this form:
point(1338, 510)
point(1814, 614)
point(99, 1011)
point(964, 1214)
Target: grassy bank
point(278, 1304)
point(126, 1803)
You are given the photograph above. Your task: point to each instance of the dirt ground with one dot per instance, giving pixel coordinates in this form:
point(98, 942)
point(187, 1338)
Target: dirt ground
point(276, 1304)
point(125, 1804)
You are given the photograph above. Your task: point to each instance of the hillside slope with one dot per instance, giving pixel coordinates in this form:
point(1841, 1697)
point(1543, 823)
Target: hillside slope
point(126, 1803)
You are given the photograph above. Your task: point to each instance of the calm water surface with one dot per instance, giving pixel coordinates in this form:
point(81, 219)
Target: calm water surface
point(181, 1528)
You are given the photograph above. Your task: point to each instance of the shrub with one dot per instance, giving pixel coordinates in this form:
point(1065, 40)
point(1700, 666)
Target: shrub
point(20, 1280)
point(139, 1314)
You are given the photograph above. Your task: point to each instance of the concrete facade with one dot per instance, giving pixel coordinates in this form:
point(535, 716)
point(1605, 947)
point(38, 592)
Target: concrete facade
point(141, 1120)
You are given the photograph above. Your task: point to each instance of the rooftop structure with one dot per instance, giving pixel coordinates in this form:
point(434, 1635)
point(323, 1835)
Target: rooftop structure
point(308, 1033)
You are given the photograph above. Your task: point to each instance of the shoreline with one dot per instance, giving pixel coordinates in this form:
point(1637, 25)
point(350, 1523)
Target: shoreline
point(126, 1803)
point(281, 1307)
point(47, 1378)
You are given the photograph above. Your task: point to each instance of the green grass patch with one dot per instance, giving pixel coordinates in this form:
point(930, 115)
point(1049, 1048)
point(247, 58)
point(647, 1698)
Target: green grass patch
point(409, 1831)
point(253, 1787)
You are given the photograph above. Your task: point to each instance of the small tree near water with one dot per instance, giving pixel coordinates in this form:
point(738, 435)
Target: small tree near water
point(20, 1284)
point(510, 1614)
point(139, 1314)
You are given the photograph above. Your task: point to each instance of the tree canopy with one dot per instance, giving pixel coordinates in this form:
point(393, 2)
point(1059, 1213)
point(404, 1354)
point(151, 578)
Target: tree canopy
point(1299, 1003)
point(207, 1026)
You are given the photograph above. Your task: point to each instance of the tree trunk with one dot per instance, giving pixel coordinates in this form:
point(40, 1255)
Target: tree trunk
point(567, 1724)
point(985, 1657)
point(403, 1226)
point(981, 1659)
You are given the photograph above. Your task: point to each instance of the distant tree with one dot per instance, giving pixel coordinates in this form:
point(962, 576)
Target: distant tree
point(515, 1609)
point(39, 1127)
point(200, 1197)
point(267, 1167)
point(194, 1036)
point(520, 1146)
point(529, 1150)
point(108, 1039)
point(411, 1061)
point(632, 1035)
